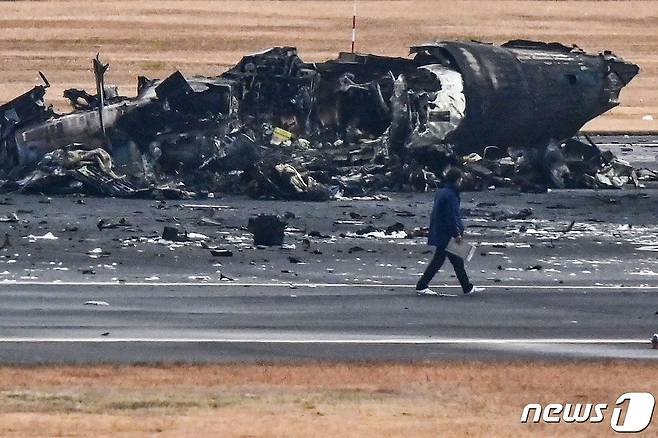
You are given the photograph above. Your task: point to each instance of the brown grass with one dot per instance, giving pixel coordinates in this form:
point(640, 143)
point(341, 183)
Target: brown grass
point(332, 400)
point(203, 37)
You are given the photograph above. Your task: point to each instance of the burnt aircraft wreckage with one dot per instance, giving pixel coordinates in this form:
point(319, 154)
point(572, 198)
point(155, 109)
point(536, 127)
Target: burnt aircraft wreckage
point(275, 126)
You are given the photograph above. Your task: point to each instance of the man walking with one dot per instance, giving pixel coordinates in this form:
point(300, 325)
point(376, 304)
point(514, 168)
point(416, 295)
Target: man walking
point(445, 224)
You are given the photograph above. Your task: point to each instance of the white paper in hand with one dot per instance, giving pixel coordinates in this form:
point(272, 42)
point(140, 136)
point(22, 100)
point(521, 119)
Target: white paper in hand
point(463, 249)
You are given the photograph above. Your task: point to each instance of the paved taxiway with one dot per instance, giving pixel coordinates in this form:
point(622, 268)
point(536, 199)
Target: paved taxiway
point(234, 322)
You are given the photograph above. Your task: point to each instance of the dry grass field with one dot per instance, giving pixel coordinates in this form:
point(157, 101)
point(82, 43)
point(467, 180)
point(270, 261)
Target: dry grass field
point(204, 37)
point(438, 400)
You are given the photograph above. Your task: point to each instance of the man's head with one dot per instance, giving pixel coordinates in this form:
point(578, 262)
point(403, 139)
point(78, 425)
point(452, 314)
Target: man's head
point(453, 176)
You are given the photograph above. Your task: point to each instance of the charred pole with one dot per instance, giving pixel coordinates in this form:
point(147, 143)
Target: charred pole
point(99, 73)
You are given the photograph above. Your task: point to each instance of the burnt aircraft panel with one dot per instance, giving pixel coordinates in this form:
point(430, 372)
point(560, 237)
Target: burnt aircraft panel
point(525, 93)
point(35, 140)
point(275, 84)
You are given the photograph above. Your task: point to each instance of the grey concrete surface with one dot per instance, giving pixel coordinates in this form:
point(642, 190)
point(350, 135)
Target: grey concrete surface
point(226, 323)
point(586, 293)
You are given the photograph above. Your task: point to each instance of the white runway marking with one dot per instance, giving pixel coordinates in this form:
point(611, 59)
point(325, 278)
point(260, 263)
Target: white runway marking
point(383, 341)
point(314, 285)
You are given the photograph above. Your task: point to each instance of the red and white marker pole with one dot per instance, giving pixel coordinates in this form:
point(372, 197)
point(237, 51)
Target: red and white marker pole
point(354, 27)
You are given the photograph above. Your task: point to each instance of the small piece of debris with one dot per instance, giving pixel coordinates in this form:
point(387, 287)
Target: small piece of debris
point(96, 303)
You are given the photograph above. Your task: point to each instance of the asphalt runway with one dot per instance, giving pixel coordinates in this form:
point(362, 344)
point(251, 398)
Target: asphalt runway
point(577, 279)
point(235, 322)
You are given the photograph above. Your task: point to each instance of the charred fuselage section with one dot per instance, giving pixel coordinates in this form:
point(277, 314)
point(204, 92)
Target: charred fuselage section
point(274, 125)
point(526, 93)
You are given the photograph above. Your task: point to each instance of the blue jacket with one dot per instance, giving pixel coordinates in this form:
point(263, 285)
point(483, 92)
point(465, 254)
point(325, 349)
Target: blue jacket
point(446, 221)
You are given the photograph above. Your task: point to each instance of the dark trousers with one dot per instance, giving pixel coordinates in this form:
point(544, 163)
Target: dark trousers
point(436, 263)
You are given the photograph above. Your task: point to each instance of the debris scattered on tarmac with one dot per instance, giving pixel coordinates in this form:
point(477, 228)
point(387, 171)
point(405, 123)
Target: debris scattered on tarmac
point(108, 224)
point(96, 303)
point(268, 230)
point(174, 235)
point(9, 218)
point(46, 236)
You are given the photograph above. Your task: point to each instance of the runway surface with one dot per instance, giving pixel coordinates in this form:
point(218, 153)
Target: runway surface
point(235, 322)
point(577, 278)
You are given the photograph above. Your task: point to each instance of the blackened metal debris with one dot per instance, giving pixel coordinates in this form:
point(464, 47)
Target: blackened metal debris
point(268, 230)
point(274, 126)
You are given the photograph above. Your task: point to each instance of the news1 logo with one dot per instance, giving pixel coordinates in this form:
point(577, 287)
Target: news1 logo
point(632, 412)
